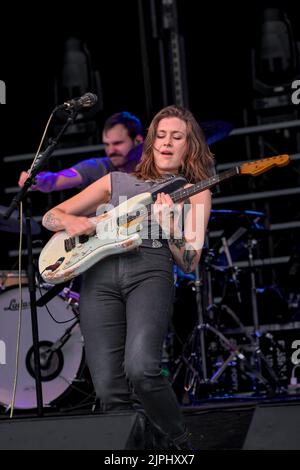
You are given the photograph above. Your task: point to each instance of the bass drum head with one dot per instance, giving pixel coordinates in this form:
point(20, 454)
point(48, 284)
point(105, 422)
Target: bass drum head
point(58, 369)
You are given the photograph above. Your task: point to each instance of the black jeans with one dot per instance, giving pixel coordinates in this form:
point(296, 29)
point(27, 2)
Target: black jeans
point(125, 307)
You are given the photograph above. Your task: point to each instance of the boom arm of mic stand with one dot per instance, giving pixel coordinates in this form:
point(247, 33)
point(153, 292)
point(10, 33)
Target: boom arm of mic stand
point(39, 164)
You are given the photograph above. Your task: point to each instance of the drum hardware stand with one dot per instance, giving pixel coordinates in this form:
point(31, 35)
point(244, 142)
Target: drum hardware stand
point(254, 341)
point(250, 246)
point(204, 300)
point(191, 381)
point(193, 377)
point(257, 333)
point(203, 294)
point(46, 356)
point(38, 165)
point(235, 353)
point(232, 269)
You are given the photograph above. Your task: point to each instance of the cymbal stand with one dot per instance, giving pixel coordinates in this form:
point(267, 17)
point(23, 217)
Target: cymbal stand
point(196, 342)
point(254, 341)
point(200, 302)
point(235, 353)
point(250, 246)
point(259, 356)
point(232, 269)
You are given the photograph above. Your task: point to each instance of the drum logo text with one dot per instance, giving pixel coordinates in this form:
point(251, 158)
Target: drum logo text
point(14, 305)
point(2, 92)
point(2, 353)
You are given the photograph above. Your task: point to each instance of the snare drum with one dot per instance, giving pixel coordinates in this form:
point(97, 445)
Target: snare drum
point(11, 278)
point(59, 368)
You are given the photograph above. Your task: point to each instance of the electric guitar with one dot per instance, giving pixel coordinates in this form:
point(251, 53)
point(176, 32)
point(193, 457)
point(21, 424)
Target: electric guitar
point(65, 257)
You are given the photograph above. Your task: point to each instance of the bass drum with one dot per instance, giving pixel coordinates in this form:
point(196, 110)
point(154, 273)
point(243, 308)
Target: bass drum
point(61, 364)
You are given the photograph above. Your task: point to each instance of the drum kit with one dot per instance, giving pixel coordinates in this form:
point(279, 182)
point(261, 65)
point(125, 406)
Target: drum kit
point(198, 353)
point(63, 369)
point(224, 348)
point(61, 348)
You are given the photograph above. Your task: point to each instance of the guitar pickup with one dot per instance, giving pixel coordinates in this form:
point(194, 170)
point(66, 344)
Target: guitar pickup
point(70, 243)
point(122, 220)
point(83, 238)
point(127, 218)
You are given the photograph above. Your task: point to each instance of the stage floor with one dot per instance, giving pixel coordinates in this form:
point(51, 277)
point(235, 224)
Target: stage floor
point(225, 423)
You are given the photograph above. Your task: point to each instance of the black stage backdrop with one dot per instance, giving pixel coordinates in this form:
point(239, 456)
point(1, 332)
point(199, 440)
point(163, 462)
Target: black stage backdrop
point(129, 47)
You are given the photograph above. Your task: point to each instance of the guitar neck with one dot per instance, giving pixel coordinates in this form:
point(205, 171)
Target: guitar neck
point(182, 194)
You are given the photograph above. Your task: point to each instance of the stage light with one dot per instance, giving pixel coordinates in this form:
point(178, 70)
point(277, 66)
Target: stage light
point(275, 59)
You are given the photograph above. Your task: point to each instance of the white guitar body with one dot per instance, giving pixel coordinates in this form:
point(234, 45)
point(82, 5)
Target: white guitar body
point(58, 264)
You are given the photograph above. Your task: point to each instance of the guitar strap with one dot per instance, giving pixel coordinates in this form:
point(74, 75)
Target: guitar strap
point(168, 185)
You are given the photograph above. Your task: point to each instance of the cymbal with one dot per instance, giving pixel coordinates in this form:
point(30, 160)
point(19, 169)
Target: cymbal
point(12, 224)
point(236, 226)
point(216, 130)
point(229, 218)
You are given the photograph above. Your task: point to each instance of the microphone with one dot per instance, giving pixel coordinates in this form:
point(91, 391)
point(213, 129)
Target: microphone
point(88, 100)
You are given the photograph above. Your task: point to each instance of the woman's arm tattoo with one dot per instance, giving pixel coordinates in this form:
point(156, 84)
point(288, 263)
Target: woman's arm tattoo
point(52, 222)
point(188, 258)
point(178, 242)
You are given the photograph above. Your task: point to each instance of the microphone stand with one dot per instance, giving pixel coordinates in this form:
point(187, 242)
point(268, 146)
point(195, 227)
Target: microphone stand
point(39, 164)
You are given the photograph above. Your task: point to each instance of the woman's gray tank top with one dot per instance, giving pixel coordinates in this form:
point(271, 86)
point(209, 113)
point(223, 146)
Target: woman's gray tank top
point(126, 185)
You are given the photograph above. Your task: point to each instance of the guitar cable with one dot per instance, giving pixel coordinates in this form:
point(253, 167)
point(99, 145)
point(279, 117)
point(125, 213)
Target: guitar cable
point(19, 326)
point(17, 357)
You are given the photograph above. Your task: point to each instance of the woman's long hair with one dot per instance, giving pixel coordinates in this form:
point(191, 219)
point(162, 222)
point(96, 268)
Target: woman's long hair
point(198, 161)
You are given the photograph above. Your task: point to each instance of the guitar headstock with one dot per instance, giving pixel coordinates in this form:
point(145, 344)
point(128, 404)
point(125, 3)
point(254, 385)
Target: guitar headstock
point(260, 166)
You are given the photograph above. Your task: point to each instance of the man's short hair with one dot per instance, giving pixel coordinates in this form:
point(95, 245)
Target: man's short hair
point(128, 120)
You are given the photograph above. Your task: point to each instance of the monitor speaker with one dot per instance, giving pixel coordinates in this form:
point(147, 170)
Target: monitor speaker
point(274, 427)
